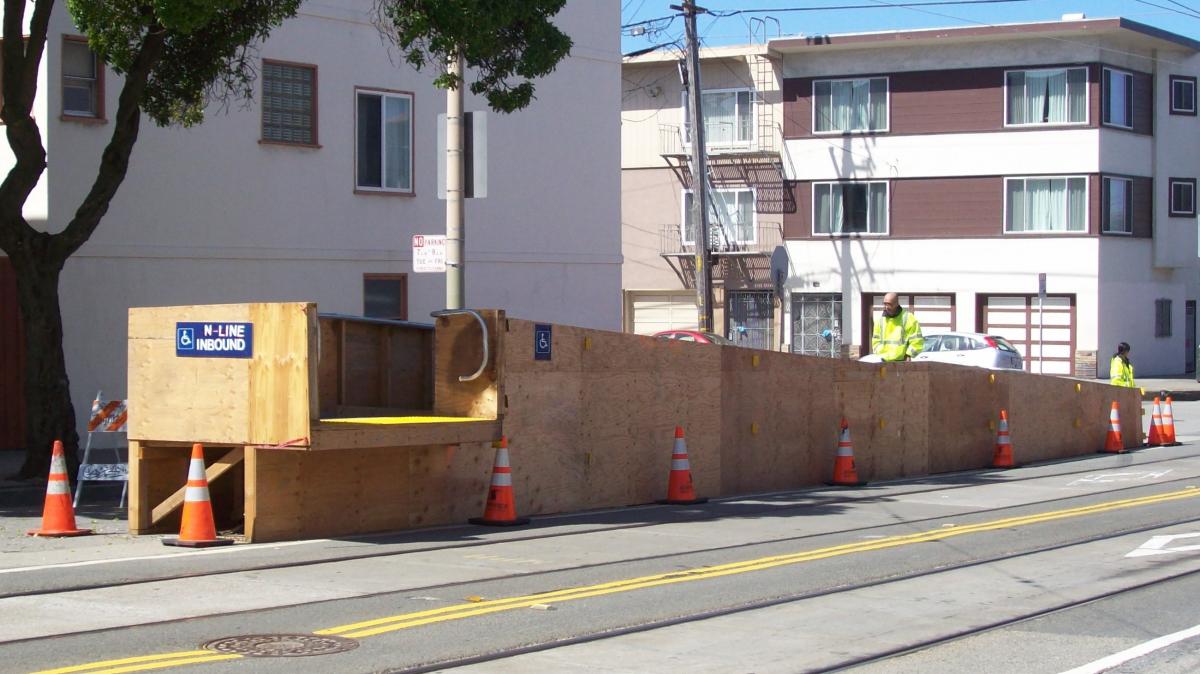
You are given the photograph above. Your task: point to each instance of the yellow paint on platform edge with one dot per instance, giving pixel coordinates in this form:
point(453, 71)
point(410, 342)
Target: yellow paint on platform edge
point(403, 420)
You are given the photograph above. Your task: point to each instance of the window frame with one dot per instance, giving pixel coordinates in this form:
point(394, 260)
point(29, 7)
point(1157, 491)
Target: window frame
point(683, 215)
point(96, 117)
point(887, 105)
point(1087, 188)
point(316, 143)
point(1182, 79)
point(684, 110)
point(412, 143)
point(887, 200)
point(1162, 317)
point(401, 277)
point(1105, 205)
point(1106, 75)
point(1087, 95)
point(1171, 183)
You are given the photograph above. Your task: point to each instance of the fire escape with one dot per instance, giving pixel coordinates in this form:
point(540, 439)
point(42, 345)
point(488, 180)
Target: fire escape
point(737, 159)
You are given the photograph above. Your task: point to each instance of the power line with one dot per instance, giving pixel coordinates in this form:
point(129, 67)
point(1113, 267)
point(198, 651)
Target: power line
point(774, 10)
point(1192, 14)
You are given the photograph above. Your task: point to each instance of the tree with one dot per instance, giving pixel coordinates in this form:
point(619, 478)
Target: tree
point(176, 56)
point(507, 42)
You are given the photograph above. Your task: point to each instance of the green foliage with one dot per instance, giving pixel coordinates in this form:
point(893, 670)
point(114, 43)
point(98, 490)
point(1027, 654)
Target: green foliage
point(507, 42)
point(206, 53)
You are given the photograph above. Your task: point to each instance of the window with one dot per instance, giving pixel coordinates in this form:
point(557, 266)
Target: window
point(1162, 318)
point(1045, 205)
point(384, 141)
point(1183, 197)
point(850, 208)
point(82, 80)
point(850, 105)
point(1118, 98)
point(385, 296)
point(1056, 96)
point(728, 117)
point(1183, 95)
point(1118, 205)
point(730, 218)
point(289, 103)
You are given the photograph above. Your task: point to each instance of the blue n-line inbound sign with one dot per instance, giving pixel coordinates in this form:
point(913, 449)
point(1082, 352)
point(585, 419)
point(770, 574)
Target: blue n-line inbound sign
point(214, 340)
point(541, 341)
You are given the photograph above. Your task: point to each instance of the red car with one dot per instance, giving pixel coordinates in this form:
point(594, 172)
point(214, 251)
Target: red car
point(694, 336)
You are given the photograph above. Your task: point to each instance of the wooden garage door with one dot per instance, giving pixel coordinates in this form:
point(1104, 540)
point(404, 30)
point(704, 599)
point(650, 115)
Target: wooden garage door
point(934, 312)
point(1015, 318)
point(12, 362)
point(653, 312)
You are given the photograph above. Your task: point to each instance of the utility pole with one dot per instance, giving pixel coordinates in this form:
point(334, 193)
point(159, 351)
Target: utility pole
point(699, 208)
point(455, 230)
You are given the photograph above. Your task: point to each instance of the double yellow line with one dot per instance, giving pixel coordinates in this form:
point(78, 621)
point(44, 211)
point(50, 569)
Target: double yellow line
point(394, 623)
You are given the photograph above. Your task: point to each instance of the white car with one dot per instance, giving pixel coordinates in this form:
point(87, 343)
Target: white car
point(971, 348)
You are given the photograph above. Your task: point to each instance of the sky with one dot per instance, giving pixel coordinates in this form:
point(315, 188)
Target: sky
point(1177, 16)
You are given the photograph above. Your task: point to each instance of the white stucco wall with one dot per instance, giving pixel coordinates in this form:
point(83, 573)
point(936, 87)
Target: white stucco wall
point(210, 215)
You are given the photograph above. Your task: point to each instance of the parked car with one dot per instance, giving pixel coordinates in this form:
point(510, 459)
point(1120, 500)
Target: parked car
point(694, 336)
point(971, 348)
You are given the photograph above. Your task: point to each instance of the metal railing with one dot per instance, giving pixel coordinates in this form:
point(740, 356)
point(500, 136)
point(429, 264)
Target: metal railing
point(723, 239)
point(673, 140)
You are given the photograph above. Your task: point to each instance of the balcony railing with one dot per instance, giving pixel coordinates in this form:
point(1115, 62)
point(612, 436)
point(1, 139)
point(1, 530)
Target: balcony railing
point(723, 240)
point(674, 139)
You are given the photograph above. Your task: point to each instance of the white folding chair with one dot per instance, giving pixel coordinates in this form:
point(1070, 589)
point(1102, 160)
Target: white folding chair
point(108, 419)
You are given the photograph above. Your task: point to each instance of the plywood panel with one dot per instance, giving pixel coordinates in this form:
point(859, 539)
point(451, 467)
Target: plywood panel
point(280, 378)
point(458, 351)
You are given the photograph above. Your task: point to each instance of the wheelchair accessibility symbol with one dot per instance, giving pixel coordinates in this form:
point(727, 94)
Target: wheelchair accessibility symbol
point(542, 342)
point(185, 339)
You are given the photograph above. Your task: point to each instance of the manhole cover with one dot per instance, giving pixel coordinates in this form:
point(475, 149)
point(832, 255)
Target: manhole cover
point(281, 645)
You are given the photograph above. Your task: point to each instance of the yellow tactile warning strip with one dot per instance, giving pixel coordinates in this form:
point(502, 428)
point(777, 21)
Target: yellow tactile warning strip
point(402, 420)
point(383, 625)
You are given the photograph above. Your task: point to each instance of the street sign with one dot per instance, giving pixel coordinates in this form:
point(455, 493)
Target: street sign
point(214, 340)
point(1042, 285)
point(542, 341)
point(1157, 545)
point(429, 253)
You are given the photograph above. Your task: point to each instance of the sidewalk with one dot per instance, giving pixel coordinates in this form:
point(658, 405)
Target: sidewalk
point(1179, 387)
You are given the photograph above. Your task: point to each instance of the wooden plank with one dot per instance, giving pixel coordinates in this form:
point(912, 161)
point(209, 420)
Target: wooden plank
point(458, 351)
point(211, 472)
point(155, 472)
point(331, 436)
point(280, 377)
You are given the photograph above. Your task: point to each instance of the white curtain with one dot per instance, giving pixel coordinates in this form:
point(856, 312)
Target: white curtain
point(841, 115)
point(824, 204)
point(720, 118)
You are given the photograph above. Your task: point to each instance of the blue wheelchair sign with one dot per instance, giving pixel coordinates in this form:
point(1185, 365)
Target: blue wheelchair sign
point(542, 341)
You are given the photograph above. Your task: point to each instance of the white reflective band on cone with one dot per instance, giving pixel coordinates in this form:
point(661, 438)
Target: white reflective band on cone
point(680, 464)
point(501, 479)
point(195, 494)
point(502, 458)
point(56, 487)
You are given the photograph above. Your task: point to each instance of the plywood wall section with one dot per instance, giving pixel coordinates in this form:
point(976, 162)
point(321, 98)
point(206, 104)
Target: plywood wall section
point(293, 495)
point(458, 351)
point(263, 399)
point(374, 365)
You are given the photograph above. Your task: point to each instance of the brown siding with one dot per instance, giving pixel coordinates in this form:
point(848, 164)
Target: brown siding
point(938, 207)
point(798, 225)
point(1143, 208)
point(12, 362)
point(954, 101)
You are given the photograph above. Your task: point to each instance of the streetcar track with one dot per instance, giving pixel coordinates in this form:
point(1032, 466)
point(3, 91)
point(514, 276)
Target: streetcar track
point(705, 517)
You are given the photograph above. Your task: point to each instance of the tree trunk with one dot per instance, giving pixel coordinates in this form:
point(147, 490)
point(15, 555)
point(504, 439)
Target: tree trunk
point(50, 415)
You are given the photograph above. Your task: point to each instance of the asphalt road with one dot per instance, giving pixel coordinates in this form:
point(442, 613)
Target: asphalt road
point(1047, 568)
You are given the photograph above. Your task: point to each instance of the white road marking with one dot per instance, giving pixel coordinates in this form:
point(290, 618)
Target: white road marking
point(206, 552)
point(1106, 478)
point(1158, 546)
point(1135, 652)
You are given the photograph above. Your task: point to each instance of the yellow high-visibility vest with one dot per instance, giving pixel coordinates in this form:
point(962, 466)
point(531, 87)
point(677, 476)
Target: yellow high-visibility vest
point(1120, 373)
point(898, 337)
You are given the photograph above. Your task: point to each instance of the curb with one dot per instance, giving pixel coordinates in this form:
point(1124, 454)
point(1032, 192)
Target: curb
point(1176, 396)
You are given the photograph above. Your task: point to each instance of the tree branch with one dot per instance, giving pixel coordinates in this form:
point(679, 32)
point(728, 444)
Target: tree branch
point(114, 163)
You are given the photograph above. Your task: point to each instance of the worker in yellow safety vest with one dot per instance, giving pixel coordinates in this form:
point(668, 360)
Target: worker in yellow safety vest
point(897, 335)
point(1120, 370)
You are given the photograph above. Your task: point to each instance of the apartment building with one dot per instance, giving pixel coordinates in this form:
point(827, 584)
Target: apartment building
point(1036, 181)
point(314, 190)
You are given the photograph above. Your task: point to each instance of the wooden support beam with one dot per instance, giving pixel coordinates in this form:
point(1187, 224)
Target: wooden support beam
point(212, 472)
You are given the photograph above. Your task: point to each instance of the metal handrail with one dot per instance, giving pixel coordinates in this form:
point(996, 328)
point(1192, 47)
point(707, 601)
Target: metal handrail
point(482, 325)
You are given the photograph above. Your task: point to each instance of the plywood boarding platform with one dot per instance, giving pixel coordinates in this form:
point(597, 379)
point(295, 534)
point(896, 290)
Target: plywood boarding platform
point(346, 427)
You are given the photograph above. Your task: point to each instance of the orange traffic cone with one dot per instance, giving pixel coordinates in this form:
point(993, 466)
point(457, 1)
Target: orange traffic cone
point(1154, 438)
point(197, 529)
point(501, 509)
point(680, 490)
point(1003, 456)
point(1112, 442)
point(844, 473)
point(1168, 425)
point(58, 517)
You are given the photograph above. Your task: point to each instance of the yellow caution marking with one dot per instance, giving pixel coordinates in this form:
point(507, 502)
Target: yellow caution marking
point(144, 662)
point(459, 611)
point(402, 420)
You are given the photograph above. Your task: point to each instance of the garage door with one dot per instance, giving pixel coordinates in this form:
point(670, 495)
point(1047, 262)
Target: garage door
point(934, 312)
point(1047, 344)
point(653, 312)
